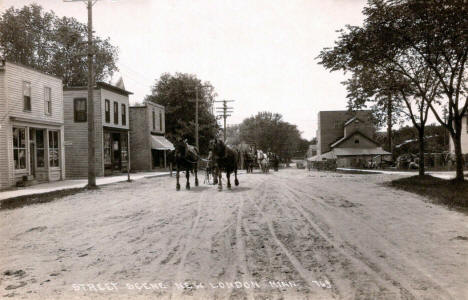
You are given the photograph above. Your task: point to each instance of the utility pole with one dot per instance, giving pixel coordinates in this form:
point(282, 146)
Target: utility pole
point(224, 111)
point(90, 104)
point(196, 113)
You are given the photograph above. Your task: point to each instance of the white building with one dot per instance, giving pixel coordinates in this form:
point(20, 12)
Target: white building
point(31, 126)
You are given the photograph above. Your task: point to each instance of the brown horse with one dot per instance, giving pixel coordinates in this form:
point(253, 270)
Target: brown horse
point(225, 159)
point(185, 158)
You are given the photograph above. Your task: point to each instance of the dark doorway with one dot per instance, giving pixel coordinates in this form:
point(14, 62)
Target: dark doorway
point(116, 152)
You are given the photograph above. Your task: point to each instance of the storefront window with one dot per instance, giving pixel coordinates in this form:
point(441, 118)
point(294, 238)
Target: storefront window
point(123, 147)
point(19, 148)
point(53, 148)
point(107, 148)
point(40, 148)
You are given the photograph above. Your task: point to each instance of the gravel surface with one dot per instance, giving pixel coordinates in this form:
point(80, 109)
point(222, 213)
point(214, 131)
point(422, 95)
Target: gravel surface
point(287, 235)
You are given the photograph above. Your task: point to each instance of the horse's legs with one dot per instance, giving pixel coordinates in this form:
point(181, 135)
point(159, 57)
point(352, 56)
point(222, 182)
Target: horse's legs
point(236, 182)
point(196, 176)
point(228, 176)
point(220, 182)
point(214, 173)
point(177, 177)
point(187, 175)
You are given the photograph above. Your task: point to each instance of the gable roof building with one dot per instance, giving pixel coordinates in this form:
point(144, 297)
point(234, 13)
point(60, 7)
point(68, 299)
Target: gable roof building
point(347, 137)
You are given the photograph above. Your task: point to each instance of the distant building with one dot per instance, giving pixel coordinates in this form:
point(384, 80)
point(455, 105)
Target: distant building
point(31, 126)
point(312, 150)
point(111, 119)
point(148, 145)
point(348, 138)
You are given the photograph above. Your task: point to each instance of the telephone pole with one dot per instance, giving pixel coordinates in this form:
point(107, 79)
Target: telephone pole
point(196, 113)
point(90, 104)
point(224, 111)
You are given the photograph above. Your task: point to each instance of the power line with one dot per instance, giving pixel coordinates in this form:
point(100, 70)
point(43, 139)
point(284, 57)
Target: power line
point(224, 111)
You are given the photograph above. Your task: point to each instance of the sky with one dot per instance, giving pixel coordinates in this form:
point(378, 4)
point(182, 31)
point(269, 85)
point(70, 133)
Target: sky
point(260, 53)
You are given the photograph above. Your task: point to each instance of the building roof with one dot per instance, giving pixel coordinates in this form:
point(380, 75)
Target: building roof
point(324, 156)
point(352, 120)
point(100, 84)
point(145, 104)
point(337, 152)
point(359, 151)
point(351, 135)
point(4, 62)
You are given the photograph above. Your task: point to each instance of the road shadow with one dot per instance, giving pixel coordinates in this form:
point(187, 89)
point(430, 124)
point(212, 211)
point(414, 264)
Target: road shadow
point(196, 189)
point(236, 189)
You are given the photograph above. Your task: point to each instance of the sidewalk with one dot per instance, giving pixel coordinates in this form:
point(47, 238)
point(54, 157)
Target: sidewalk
point(73, 183)
point(439, 174)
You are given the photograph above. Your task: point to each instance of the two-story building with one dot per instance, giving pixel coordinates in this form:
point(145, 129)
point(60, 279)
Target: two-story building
point(31, 126)
point(148, 145)
point(111, 122)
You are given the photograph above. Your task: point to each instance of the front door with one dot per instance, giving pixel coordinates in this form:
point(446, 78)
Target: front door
point(32, 151)
point(116, 152)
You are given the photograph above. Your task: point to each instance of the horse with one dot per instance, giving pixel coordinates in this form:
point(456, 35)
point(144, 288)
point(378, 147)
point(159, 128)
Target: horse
point(263, 162)
point(249, 161)
point(274, 159)
point(225, 159)
point(185, 157)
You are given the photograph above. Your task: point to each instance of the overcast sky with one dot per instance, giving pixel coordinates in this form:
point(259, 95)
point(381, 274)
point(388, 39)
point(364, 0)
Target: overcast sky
point(260, 53)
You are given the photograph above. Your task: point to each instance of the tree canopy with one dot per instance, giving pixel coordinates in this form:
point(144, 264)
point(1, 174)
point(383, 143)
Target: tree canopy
point(54, 45)
point(177, 93)
point(269, 132)
point(414, 49)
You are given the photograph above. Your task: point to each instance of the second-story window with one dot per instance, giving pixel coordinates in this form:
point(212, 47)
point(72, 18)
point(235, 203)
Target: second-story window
point(48, 100)
point(124, 115)
point(160, 121)
point(79, 107)
point(107, 110)
point(27, 96)
point(154, 120)
point(116, 112)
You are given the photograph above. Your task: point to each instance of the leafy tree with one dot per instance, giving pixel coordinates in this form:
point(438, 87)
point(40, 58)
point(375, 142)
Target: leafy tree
point(177, 94)
point(383, 65)
point(54, 45)
point(269, 132)
point(233, 135)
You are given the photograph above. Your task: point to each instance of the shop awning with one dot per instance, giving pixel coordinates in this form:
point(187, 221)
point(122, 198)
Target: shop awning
point(160, 143)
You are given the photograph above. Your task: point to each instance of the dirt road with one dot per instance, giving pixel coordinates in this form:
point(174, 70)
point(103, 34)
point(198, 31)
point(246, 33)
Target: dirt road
point(285, 235)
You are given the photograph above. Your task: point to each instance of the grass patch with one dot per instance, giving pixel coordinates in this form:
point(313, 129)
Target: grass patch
point(440, 191)
point(17, 202)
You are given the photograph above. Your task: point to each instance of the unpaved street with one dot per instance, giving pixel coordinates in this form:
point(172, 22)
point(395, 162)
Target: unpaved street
point(285, 235)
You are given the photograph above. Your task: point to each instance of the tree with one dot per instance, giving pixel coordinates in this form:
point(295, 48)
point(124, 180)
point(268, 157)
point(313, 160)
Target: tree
point(270, 133)
point(436, 32)
point(54, 45)
point(177, 94)
point(383, 65)
point(233, 135)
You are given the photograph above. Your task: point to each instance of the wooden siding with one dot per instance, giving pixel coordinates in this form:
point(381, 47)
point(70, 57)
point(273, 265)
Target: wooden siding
point(76, 136)
point(120, 99)
point(15, 76)
point(4, 141)
point(11, 105)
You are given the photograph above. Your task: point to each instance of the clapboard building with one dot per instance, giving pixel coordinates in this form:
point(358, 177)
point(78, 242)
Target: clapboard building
point(111, 122)
point(31, 126)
